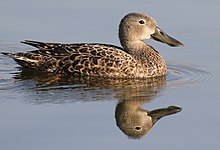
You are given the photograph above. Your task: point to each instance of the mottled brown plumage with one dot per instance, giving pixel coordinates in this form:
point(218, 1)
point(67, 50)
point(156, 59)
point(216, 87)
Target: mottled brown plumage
point(135, 60)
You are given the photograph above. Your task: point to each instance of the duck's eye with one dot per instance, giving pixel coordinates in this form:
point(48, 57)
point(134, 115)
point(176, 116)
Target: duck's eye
point(138, 128)
point(141, 21)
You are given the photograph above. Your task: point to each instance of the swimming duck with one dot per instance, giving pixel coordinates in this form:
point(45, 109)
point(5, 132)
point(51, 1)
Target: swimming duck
point(135, 59)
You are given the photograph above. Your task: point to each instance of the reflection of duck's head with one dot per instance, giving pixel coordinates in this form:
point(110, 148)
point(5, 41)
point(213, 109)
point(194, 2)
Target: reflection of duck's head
point(136, 122)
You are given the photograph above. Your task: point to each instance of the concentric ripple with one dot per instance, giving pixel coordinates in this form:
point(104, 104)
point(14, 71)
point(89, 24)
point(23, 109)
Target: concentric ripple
point(181, 74)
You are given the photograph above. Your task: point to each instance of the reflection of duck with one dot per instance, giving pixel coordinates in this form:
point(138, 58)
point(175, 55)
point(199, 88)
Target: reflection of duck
point(135, 60)
point(136, 122)
point(131, 94)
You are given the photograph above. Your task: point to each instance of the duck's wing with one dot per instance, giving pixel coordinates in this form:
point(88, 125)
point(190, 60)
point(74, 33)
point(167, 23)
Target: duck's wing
point(55, 50)
point(80, 58)
point(59, 50)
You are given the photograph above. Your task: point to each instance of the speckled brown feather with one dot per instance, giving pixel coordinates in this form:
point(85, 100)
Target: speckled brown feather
point(85, 59)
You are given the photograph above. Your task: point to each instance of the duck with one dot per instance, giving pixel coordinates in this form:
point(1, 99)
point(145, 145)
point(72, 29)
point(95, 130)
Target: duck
point(133, 59)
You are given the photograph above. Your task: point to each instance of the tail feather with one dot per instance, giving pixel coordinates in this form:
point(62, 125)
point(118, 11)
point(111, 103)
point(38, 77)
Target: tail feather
point(22, 60)
point(7, 54)
point(26, 64)
point(34, 43)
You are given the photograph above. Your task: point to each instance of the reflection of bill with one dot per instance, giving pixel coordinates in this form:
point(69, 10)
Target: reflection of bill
point(136, 122)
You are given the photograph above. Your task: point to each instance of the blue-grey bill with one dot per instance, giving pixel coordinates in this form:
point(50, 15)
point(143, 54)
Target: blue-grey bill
point(161, 36)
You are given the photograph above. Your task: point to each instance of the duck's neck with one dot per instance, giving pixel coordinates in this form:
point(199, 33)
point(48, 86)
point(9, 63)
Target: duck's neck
point(141, 51)
point(146, 55)
point(133, 47)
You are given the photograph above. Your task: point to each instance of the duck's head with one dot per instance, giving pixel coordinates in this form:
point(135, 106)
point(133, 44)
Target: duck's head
point(136, 27)
point(136, 122)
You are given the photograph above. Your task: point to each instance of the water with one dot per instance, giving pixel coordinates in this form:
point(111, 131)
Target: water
point(80, 113)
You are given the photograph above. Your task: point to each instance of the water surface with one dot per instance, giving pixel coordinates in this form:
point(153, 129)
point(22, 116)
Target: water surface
point(80, 113)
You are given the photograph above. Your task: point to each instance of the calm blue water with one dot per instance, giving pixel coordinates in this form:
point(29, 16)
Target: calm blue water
point(75, 114)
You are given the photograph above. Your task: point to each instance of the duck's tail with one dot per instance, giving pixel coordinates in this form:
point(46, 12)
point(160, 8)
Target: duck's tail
point(36, 44)
point(7, 54)
point(22, 60)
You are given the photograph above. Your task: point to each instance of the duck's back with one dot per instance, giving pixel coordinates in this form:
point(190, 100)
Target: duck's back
point(78, 59)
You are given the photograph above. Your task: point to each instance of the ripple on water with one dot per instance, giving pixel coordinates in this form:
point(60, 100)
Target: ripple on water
point(182, 74)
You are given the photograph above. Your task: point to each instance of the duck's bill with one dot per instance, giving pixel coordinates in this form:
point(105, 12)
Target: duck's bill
point(161, 36)
point(160, 113)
